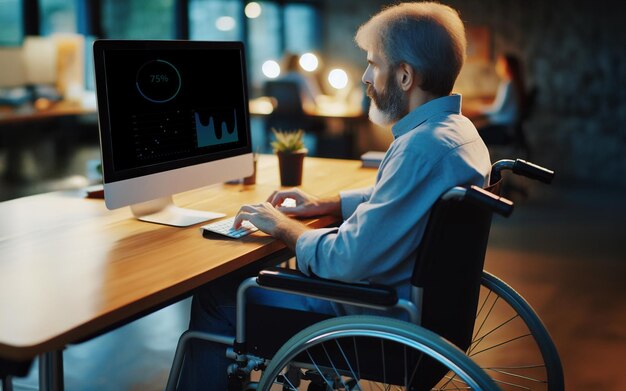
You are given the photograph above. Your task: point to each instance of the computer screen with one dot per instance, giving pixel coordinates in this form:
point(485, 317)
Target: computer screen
point(173, 116)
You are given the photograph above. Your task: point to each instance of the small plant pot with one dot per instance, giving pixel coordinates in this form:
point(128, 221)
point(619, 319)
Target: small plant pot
point(290, 165)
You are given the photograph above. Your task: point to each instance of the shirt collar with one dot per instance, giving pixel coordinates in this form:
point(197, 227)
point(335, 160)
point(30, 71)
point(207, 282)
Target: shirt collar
point(444, 104)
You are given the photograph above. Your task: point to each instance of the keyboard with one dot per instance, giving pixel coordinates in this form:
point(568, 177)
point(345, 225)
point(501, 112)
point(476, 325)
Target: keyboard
point(225, 227)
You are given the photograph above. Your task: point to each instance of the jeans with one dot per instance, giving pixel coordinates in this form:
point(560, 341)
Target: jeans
point(213, 310)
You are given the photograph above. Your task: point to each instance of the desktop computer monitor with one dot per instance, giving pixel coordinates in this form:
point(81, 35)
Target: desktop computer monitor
point(173, 116)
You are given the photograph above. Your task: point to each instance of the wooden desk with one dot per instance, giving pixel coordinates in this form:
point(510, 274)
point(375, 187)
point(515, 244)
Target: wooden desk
point(70, 268)
point(331, 117)
point(55, 128)
point(328, 107)
point(9, 115)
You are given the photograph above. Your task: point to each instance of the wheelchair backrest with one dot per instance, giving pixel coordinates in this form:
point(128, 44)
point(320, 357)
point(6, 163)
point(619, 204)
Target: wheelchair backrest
point(449, 266)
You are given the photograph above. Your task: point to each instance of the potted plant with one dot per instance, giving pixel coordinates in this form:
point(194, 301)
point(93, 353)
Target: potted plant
point(289, 147)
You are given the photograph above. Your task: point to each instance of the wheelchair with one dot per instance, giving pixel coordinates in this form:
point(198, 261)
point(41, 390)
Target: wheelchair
point(466, 328)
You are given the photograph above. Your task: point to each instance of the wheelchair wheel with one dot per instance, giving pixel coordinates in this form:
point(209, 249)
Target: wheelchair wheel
point(510, 343)
point(366, 352)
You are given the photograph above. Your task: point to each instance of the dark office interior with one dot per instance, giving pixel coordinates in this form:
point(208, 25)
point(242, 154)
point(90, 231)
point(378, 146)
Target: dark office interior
point(563, 248)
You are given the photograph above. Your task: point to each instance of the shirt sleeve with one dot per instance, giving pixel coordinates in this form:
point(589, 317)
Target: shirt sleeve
point(382, 231)
point(351, 199)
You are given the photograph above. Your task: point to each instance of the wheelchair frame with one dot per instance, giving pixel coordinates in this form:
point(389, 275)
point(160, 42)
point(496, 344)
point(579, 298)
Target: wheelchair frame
point(385, 298)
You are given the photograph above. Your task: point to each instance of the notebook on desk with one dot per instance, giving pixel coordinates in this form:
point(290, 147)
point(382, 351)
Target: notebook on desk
point(372, 158)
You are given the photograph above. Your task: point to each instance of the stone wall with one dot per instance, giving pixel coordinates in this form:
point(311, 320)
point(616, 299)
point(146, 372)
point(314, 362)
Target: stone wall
point(574, 52)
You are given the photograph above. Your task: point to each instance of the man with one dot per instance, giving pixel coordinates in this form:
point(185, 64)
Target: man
point(414, 52)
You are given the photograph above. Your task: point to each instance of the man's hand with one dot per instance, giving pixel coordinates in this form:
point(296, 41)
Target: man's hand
point(306, 204)
point(269, 220)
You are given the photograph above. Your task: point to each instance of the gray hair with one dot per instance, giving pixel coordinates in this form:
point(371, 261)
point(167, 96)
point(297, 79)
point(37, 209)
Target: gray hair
point(430, 37)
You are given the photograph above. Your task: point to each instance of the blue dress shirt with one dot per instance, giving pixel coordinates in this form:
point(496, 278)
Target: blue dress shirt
point(435, 148)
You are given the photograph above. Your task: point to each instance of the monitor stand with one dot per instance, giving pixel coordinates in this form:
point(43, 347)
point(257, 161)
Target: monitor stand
point(163, 211)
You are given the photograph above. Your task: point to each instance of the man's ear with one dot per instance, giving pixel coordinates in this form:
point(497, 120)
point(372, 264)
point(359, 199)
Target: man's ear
point(407, 77)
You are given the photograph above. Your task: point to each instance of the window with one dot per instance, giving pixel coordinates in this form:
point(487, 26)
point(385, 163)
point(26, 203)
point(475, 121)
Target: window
point(57, 16)
point(302, 28)
point(215, 20)
point(292, 27)
point(138, 19)
point(264, 40)
point(279, 26)
point(11, 22)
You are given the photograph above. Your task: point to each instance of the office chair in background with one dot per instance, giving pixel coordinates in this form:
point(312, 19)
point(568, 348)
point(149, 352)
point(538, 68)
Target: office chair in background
point(288, 112)
point(513, 137)
point(519, 139)
point(514, 142)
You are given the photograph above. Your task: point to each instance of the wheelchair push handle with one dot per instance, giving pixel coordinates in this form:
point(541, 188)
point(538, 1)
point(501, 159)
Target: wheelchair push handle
point(533, 171)
point(521, 167)
point(481, 197)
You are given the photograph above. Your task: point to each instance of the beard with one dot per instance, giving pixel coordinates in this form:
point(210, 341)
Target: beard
point(389, 105)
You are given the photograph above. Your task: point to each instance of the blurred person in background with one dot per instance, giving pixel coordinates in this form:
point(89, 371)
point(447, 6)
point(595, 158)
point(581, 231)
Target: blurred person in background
point(308, 86)
point(497, 122)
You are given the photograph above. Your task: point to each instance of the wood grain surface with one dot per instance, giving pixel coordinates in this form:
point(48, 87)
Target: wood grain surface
point(70, 268)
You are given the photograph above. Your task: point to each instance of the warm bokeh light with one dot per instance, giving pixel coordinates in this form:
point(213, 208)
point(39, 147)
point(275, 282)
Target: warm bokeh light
point(309, 62)
point(271, 69)
point(253, 10)
point(263, 105)
point(338, 78)
point(225, 23)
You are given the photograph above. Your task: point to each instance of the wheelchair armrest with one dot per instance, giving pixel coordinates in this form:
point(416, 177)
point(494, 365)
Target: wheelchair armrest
point(297, 282)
